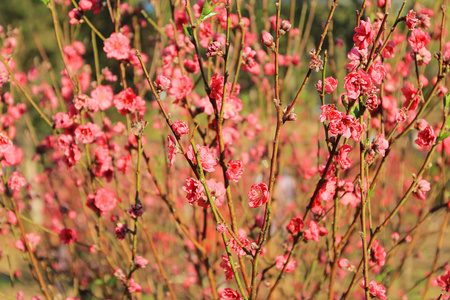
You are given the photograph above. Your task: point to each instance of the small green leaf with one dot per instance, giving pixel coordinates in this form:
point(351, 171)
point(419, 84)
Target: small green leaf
point(99, 282)
point(356, 111)
point(371, 191)
point(208, 11)
point(447, 102)
point(442, 136)
point(111, 281)
point(45, 1)
point(188, 30)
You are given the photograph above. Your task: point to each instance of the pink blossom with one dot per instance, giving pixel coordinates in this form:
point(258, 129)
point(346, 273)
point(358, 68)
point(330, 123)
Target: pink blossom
point(127, 101)
point(377, 71)
point(356, 83)
point(105, 200)
point(281, 261)
point(330, 85)
point(426, 137)
point(172, 149)
point(140, 262)
point(410, 94)
point(411, 20)
point(5, 143)
point(207, 159)
point(328, 189)
point(343, 263)
point(377, 254)
point(342, 159)
point(32, 240)
point(226, 266)
point(217, 191)
point(421, 189)
point(244, 242)
point(364, 34)
point(235, 169)
point(162, 83)
point(194, 190)
point(229, 294)
point(87, 133)
point(16, 181)
point(117, 46)
point(133, 286)
point(314, 231)
point(375, 289)
point(180, 128)
point(267, 39)
point(380, 144)
point(101, 97)
point(258, 195)
point(181, 87)
point(444, 281)
point(418, 39)
point(295, 226)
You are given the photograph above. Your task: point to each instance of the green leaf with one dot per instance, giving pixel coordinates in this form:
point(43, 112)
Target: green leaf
point(188, 30)
point(208, 11)
point(99, 282)
point(45, 1)
point(356, 111)
point(446, 102)
point(442, 136)
point(111, 281)
point(371, 191)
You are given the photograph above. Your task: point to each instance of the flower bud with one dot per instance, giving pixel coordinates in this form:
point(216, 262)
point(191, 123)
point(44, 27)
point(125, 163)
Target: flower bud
point(267, 39)
point(220, 228)
point(285, 26)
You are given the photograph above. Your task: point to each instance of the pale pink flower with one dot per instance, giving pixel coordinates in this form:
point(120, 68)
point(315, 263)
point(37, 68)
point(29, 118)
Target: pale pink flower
point(32, 239)
point(421, 189)
point(101, 97)
point(105, 200)
point(117, 46)
point(87, 133)
point(16, 181)
point(281, 261)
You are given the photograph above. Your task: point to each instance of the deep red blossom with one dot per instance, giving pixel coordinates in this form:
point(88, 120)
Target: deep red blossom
point(68, 236)
point(258, 195)
point(121, 231)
